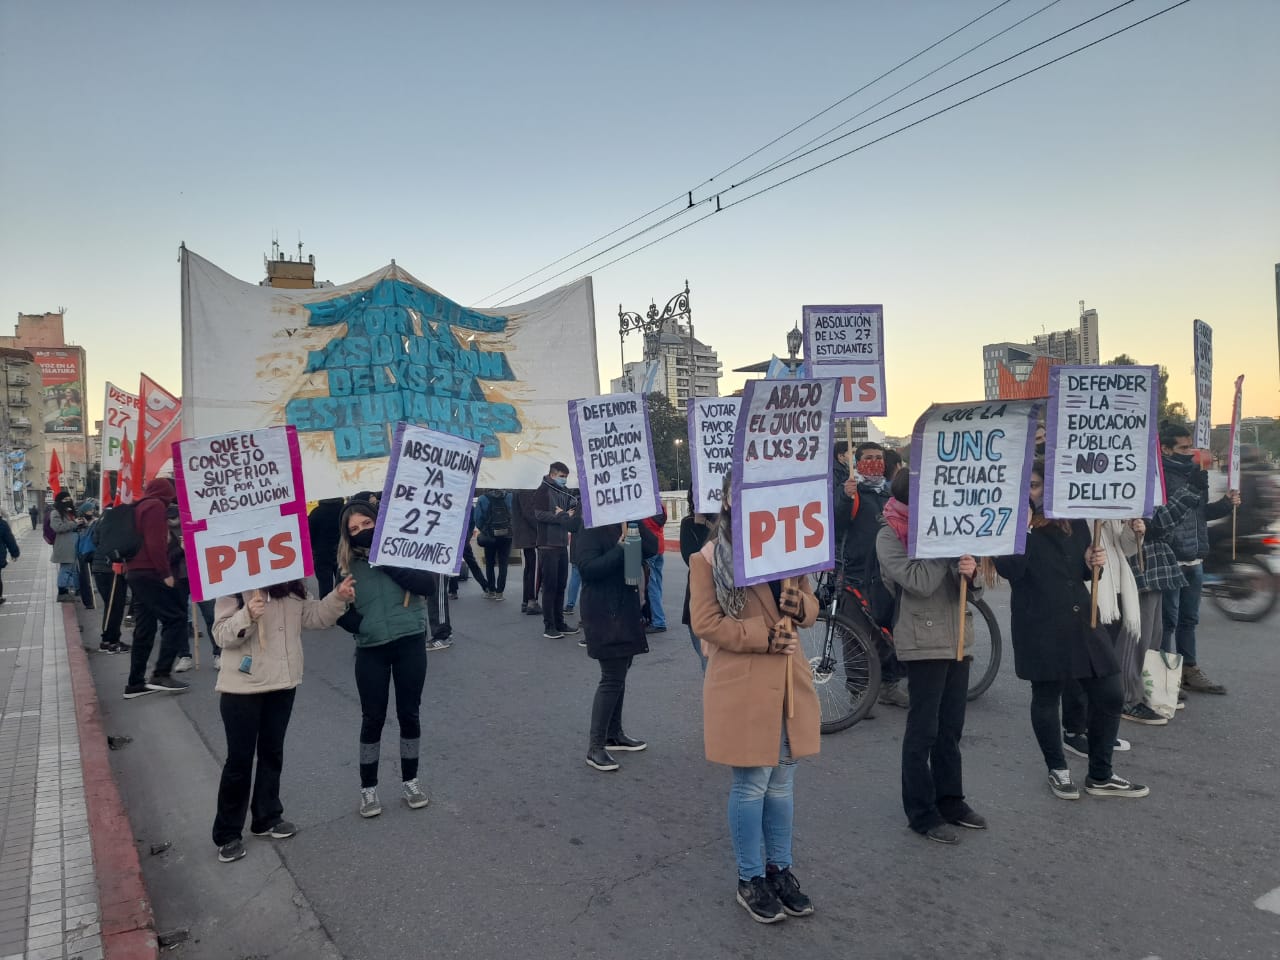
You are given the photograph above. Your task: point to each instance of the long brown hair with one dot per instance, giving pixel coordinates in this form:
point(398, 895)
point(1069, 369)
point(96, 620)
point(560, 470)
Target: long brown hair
point(1038, 520)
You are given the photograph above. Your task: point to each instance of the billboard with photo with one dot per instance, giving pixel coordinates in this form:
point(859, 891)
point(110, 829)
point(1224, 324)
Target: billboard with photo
point(62, 396)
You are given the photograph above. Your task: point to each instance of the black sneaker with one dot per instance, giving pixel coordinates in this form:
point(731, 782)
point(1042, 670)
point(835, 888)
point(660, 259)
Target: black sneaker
point(759, 900)
point(968, 818)
point(552, 634)
point(533, 610)
point(568, 631)
point(281, 831)
point(1076, 744)
point(168, 685)
point(107, 647)
point(1141, 713)
point(599, 759)
point(942, 833)
point(786, 888)
point(624, 743)
point(1061, 786)
point(123, 647)
point(135, 690)
point(1115, 787)
point(231, 852)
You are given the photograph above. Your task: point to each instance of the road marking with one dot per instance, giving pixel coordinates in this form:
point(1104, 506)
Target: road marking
point(1269, 901)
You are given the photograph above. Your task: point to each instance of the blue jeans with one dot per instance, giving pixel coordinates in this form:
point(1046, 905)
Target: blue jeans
point(761, 811)
point(657, 616)
point(1181, 613)
point(575, 584)
point(697, 648)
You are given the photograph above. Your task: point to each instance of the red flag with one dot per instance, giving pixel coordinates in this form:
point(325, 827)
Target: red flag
point(55, 473)
point(159, 425)
point(124, 480)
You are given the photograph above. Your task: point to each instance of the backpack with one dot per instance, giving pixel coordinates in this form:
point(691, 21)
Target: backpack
point(497, 522)
point(118, 537)
point(84, 544)
point(49, 535)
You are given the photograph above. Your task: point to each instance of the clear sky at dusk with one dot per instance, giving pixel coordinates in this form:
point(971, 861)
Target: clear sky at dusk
point(475, 142)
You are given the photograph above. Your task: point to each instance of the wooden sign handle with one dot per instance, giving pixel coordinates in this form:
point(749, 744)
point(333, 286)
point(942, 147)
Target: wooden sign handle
point(790, 692)
point(1093, 592)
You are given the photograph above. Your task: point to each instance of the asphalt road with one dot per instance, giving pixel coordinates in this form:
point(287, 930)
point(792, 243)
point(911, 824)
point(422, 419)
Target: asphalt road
point(525, 851)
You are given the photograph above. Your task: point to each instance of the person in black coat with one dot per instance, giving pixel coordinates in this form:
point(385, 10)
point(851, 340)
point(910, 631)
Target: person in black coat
point(322, 524)
point(613, 630)
point(1053, 642)
point(694, 530)
point(8, 548)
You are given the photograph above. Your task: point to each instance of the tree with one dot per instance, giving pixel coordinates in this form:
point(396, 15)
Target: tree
point(668, 425)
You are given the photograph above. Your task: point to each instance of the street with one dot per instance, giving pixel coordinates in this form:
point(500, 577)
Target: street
point(525, 851)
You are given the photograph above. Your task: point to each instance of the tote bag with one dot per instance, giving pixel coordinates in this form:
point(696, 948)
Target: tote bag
point(1161, 678)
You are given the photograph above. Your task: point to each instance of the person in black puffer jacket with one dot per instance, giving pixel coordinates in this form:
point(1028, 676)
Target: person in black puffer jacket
point(1190, 541)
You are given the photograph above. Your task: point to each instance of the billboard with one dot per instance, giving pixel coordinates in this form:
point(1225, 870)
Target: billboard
point(62, 396)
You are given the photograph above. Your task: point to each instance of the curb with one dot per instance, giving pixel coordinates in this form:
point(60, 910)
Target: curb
point(127, 923)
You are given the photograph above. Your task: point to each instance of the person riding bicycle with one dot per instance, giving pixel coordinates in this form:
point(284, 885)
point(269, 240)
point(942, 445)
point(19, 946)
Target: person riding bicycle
point(858, 502)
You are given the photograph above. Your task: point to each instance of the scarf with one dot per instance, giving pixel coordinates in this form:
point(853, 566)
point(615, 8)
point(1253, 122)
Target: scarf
point(731, 598)
point(895, 515)
point(1117, 588)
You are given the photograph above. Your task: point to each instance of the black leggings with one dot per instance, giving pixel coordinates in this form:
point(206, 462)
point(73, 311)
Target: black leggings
point(404, 663)
point(1105, 698)
point(606, 709)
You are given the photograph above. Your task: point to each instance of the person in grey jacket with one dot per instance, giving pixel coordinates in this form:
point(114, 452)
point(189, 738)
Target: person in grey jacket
point(925, 639)
point(66, 527)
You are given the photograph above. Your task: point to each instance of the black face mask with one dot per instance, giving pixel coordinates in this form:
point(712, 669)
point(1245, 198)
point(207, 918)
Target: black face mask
point(1181, 457)
point(363, 540)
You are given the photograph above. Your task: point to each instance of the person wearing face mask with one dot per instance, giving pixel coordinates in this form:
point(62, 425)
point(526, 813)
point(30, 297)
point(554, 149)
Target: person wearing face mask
point(859, 504)
point(556, 513)
point(1190, 541)
point(391, 650)
point(1053, 643)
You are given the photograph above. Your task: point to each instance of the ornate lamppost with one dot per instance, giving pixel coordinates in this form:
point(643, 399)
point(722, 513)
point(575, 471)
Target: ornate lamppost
point(651, 325)
point(795, 340)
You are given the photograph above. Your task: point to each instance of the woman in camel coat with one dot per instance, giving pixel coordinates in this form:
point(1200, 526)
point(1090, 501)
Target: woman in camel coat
point(748, 635)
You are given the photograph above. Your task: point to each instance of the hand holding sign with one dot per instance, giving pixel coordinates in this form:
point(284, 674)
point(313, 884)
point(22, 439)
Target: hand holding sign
point(257, 605)
point(968, 567)
point(347, 589)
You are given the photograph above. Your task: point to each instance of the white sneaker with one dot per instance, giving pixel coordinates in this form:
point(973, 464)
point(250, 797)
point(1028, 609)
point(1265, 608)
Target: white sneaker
point(369, 805)
point(182, 665)
point(1121, 745)
point(413, 795)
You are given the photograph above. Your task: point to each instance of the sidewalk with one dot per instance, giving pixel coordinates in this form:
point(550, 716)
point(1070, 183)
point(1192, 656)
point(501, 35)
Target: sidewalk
point(70, 885)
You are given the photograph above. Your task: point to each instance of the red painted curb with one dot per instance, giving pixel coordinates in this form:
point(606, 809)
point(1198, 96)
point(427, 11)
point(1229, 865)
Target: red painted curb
point(128, 925)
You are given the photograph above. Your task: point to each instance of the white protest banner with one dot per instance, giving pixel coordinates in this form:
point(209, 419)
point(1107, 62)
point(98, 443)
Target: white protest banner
point(848, 342)
point(1202, 333)
point(613, 449)
point(970, 467)
point(782, 451)
point(1233, 451)
point(119, 428)
point(425, 510)
point(1098, 450)
point(244, 510)
point(712, 421)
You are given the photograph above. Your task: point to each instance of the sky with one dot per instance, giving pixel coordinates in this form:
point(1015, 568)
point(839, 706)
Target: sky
point(475, 143)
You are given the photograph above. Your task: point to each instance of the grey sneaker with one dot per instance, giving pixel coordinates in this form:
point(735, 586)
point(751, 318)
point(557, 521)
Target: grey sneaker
point(1141, 713)
point(893, 695)
point(231, 852)
point(413, 795)
point(1061, 785)
point(438, 645)
point(1115, 787)
point(182, 665)
point(369, 805)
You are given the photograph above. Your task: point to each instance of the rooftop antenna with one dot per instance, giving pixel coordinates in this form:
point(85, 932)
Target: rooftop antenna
point(299, 246)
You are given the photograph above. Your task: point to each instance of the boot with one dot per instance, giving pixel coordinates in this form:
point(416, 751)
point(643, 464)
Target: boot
point(599, 758)
point(1193, 678)
point(892, 694)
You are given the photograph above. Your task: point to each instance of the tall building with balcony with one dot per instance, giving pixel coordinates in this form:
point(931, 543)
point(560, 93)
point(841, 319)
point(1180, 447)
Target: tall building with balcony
point(684, 363)
point(23, 458)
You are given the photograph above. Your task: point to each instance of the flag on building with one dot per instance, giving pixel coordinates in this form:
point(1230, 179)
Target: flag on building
point(55, 473)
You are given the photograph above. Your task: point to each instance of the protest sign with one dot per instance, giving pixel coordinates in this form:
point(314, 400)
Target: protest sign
point(1233, 450)
point(119, 429)
point(424, 515)
point(848, 342)
point(1100, 421)
point(970, 468)
point(1202, 334)
point(782, 480)
point(613, 449)
point(712, 421)
point(243, 510)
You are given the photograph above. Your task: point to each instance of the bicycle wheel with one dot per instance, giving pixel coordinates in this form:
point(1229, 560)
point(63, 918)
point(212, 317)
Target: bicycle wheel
point(1247, 590)
point(846, 671)
point(986, 646)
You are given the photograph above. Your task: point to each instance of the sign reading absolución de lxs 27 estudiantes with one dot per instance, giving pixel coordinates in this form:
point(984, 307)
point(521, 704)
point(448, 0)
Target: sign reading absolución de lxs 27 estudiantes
point(848, 342)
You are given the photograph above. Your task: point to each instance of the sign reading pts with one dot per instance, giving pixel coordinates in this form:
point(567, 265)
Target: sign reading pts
point(269, 552)
point(764, 525)
point(282, 553)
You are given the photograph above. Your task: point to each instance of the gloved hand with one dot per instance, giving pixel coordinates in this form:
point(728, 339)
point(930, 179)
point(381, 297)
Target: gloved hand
point(789, 603)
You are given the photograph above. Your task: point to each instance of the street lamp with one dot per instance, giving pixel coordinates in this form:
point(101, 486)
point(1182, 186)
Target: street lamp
point(795, 339)
point(679, 444)
point(651, 327)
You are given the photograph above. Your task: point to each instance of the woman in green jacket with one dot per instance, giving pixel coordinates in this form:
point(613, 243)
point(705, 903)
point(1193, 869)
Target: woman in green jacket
point(387, 619)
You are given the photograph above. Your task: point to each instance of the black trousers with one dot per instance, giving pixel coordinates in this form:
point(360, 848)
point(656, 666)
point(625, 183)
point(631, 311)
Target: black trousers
point(1104, 699)
point(402, 663)
point(606, 708)
point(932, 784)
point(112, 590)
point(255, 724)
point(326, 569)
point(553, 565)
point(469, 558)
point(496, 556)
point(155, 604)
point(530, 569)
point(86, 583)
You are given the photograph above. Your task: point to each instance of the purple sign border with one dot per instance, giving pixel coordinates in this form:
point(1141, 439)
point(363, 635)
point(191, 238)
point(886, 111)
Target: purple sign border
point(575, 434)
point(822, 471)
point(388, 485)
point(917, 456)
point(1051, 434)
